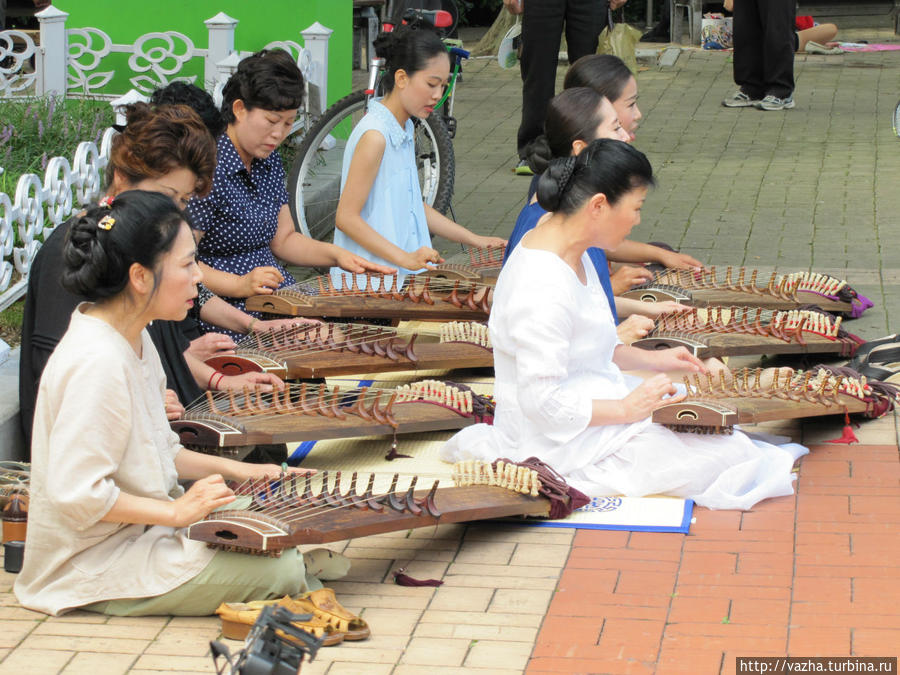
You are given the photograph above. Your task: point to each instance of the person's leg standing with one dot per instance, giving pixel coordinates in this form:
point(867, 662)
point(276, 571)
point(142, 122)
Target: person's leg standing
point(542, 25)
point(585, 19)
point(778, 46)
point(749, 73)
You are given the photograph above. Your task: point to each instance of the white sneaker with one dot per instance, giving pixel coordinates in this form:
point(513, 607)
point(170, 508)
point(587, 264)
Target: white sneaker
point(817, 48)
point(774, 103)
point(739, 100)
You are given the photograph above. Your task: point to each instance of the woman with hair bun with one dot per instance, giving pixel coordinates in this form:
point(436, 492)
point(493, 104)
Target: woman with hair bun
point(610, 77)
point(575, 117)
point(560, 393)
point(381, 213)
point(106, 512)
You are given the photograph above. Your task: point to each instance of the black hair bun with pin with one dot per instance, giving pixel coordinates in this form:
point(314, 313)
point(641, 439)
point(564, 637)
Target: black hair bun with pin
point(553, 182)
point(104, 242)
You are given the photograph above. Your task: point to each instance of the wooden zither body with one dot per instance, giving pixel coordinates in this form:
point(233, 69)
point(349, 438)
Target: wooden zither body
point(332, 349)
point(475, 265)
point(736, 331)
point(315, 411)
point(378, 296)
point(715, 405)
point(269, 516)
point(747, 287)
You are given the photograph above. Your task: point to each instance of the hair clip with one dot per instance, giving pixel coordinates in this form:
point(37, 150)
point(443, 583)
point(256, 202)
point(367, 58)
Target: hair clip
point(107, 201)
point(106, 223)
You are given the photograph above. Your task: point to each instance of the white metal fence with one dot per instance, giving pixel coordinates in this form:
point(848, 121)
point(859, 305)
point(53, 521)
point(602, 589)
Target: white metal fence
point(71, 62)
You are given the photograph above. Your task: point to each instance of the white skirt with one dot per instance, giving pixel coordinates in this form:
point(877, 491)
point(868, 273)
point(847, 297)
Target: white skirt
point(716, 471)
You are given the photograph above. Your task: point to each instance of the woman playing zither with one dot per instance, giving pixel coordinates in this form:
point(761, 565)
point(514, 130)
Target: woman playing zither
point(106, 510)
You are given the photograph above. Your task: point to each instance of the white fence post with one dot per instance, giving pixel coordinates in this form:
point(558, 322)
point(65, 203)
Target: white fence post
point(118, 104)
point(315, 39)
point(220, 45)
point(55, 50)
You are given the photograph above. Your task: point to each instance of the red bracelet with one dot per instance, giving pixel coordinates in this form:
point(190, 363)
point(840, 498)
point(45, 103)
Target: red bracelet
point(209, 384)
point(217, 382)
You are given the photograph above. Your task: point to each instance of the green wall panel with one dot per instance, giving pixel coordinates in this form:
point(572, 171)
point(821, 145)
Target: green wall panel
point(258, 24)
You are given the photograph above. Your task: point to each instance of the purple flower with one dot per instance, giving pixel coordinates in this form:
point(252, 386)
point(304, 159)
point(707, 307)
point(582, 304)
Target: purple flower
point(51, 108)
point(43, 161)
point(40, 129)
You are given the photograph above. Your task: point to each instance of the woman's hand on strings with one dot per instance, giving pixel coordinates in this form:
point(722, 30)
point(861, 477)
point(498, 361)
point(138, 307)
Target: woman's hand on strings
point(679, 261)
point(275, 324)
point(627, 277)
point(676, 359)
point(655, 309)
point(634, 328)
point(261, 281)
point(485, 241)
point(174, 409)
point(211, 344)
point(652, 393)
point(266, 381)
point(357, 264)
point(203, 497)
point(271, 471)
point(425, 257)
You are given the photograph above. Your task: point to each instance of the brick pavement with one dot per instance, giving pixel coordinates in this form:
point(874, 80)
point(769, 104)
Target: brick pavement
point(811, 574)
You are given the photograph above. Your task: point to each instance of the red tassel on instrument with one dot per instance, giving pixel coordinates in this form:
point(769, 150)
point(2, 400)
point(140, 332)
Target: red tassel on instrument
point(402, 579)
point(847, 437)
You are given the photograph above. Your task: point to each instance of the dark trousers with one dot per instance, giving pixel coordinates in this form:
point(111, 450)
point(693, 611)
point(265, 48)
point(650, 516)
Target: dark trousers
point(542, 29)
point(764, 47)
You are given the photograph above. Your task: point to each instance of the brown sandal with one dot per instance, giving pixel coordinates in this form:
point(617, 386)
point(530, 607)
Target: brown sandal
point(324, 606)
point(238, 618)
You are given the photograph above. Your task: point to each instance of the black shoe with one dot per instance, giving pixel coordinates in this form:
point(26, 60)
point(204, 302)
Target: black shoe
point(659, 33)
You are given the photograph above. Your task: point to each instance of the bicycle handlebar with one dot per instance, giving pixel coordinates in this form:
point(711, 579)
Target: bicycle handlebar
point(437, 18)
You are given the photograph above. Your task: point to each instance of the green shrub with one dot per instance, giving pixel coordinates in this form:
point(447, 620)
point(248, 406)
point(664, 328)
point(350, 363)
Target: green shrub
point(34, 130)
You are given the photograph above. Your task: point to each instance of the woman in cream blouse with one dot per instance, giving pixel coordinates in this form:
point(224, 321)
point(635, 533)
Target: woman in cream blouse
point(107, 512)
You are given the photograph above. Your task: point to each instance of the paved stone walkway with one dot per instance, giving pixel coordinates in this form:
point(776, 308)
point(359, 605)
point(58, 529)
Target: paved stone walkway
point(816, 573)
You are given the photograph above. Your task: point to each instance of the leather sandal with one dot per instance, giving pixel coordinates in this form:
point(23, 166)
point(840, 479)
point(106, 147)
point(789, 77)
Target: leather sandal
point(323, 605)
point(873, 350)
point(885, 372)
point(238, 618)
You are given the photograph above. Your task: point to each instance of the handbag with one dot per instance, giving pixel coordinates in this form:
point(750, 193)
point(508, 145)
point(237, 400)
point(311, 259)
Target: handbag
point(716, 32)
point(620, 39)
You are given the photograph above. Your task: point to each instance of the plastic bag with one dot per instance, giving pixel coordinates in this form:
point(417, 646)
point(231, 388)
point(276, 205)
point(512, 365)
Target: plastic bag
point(716, 32)
point(508, 53)
point(620, 39)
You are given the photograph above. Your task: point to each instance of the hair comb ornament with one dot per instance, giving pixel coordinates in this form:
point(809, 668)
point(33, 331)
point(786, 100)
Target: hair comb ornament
point(106, 202)
point(106, 223)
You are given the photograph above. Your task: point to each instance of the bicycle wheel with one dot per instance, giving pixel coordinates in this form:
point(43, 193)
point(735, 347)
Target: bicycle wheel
point(314, 181)
point(435, 161)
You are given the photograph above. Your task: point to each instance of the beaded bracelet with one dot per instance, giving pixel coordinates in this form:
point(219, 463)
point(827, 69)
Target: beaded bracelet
point(251, 324)
point(209, 383)
point(217, 382)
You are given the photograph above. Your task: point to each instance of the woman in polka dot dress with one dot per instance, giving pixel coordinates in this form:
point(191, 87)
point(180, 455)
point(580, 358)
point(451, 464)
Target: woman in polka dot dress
point(244, 224)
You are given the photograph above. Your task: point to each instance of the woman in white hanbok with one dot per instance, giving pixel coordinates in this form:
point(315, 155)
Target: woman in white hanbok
point(560, 393)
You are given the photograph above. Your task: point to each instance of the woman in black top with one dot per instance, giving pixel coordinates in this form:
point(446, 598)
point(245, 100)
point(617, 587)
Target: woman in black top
point(166, 149)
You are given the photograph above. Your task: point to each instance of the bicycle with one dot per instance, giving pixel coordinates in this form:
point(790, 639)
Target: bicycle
point(315, 175)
